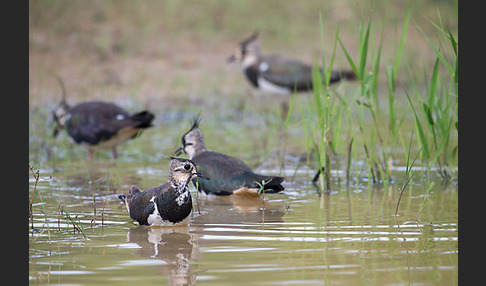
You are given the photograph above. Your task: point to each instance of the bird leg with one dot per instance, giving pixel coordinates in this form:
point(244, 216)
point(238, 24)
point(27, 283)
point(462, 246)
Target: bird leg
point(114, 153)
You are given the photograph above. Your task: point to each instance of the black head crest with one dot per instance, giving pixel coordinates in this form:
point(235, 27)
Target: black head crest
point(250, 39)
point(195, 121)
point(63, 87)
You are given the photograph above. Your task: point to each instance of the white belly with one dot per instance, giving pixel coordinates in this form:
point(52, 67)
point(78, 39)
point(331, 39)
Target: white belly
point(156, 220)
point(270, 87)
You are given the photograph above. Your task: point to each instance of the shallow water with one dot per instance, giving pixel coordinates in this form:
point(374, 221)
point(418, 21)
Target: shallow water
point(300, 236)
point(174, 65)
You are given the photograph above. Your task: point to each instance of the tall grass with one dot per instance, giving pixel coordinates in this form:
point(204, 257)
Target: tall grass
point(437, 123)
point(359, 128)
point(323, 109)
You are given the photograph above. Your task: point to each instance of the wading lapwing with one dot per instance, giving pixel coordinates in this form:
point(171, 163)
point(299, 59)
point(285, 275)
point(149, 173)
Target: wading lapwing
point(229, 175)
point(168, 204)
point(98, 124)
point(275, 73)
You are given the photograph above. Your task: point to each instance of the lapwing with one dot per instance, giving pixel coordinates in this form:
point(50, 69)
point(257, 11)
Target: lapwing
point(229, 175)
point(98, 124)
point(275, 73)
point(168, 204)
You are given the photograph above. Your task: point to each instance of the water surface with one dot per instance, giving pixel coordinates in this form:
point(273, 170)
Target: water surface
point(301, 236)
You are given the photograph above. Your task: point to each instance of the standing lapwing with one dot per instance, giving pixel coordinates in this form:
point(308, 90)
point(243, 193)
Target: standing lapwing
point(229, 175)
point(168, 204)
point(99, 124)
point(275, 73)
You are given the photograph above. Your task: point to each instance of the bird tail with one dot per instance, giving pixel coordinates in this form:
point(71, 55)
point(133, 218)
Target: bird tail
point(143, 119)
point(272, 184)
point(342, 75)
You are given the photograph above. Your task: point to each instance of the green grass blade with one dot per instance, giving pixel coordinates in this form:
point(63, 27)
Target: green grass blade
point(433, 82)
point(289, 112)
point(453, 42)
point(443, 142)
point(391, 98)
point(438, 52)
point(376, 67)
point(317, 89)
point(428, 114)
point(331, 64)
point(363, 51)
point(454, 47)
point(327, 75)
point(398, 55)
point(350, 60)
point(422, 136)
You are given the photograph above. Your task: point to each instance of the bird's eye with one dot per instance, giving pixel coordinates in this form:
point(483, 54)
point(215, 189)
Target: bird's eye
point(187, 167)
point(184, 142)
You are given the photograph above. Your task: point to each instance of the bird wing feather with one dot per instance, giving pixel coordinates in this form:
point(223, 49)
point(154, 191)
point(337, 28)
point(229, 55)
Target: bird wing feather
point(286, 72)
point(93, 122)
point(226, 173)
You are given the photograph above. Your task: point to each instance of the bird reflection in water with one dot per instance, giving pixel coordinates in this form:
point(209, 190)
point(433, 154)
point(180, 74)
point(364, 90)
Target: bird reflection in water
point(179, 245)
point(236, 209)
point(170, 244)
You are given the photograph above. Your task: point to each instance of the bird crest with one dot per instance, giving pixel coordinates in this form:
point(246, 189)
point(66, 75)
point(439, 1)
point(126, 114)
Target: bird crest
point(195, 122)
point(60, 112)
point(249, 41)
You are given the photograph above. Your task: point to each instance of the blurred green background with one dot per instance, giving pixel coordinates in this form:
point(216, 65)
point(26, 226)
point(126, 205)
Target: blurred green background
point(159, 50)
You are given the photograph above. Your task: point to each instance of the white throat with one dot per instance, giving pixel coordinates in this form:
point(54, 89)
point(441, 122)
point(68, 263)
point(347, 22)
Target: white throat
point(249, 60)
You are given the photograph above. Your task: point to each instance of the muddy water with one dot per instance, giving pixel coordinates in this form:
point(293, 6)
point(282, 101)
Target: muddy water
point(299, 237)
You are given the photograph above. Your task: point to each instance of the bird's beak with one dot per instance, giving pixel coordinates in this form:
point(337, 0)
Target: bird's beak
point(202, 176)
point(178, 151)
